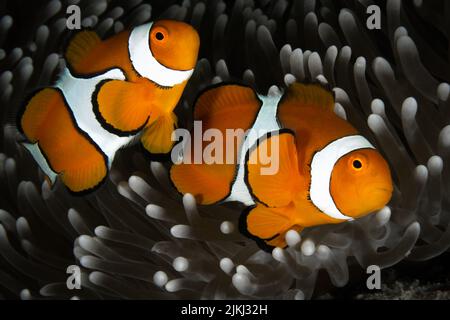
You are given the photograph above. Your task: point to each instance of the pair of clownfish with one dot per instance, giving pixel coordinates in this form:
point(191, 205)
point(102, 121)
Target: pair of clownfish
point(127, 86)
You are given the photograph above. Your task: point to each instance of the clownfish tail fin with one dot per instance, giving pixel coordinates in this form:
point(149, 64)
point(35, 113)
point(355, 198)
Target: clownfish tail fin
point(222, 107)
point(313, 95)
point(57, 144)
point(36, 111)
point(80, 46)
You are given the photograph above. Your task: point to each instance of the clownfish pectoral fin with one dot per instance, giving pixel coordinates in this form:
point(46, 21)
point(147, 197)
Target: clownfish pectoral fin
point(80, 46)
point(208, 183)
point(268, 226)
point(57, 143)
point(121, 107)
point(157, 137)
point(272, 172)
point(314, 95)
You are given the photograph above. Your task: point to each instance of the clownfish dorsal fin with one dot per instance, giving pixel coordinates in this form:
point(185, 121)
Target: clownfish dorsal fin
point(80, 46)
point(309, 95)
point(226, 101)
point(272, 172)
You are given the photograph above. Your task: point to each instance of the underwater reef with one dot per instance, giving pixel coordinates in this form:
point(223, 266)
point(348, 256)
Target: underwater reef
point(137, 238)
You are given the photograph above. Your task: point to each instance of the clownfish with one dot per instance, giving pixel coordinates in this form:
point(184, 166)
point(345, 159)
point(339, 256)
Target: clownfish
point(110, 93)
point(327, 172)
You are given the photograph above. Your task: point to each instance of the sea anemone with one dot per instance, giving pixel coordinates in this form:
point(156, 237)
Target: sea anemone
point(137, 238)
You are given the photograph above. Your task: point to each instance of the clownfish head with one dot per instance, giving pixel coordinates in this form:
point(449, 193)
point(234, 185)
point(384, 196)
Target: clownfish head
point(349, 178)
point(361, 183)
point(174, 44)
point(164, 51)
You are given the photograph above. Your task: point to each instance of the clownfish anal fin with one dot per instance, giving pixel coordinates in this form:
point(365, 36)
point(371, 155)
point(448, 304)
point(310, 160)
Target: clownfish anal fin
point(272, 172)
point(268, 226)
point(121, 107)
point(314, 95)
point(157, 137)
point(80, 46)
point(208, 183)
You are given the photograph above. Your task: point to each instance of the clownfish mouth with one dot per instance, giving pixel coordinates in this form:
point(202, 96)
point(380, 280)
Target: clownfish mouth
point(382, 195)
point(377, 196)
point(379, 187)
point(384, 190)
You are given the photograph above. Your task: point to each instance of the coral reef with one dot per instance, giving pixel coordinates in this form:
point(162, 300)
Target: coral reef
point(137, 238)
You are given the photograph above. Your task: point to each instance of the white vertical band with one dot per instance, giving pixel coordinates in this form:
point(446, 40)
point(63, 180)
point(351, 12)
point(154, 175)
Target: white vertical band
point(39, 157)
point(145, 63)
point(322, 167)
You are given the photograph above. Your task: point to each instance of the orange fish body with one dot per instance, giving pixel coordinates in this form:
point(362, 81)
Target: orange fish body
point(110, 93)
point(326, 172)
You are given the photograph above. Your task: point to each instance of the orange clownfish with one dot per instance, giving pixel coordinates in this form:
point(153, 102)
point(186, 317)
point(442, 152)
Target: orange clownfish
point(110, 93)
point(327, 172)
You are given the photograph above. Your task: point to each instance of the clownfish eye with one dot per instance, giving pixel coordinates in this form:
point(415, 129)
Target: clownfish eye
point(357, 164)
point(159, 36)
